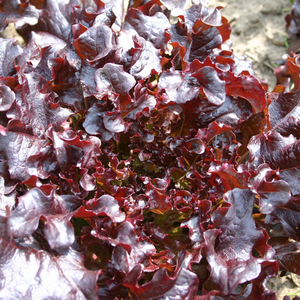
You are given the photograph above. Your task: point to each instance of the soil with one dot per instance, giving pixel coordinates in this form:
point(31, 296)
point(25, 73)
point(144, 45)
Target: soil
point(258, 35)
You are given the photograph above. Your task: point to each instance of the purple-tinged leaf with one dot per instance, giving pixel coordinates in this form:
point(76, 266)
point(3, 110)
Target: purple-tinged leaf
point(208, 16)
point(288, 219)
point(179, 87)
point(59, 231)
point(65, 83)
point(229, 249)
point(34, 110)
point(142, 100)
point(17, 148)
point(106, 205)
point(272, 192)
point(94, 44)
point(211, 85)
point(43, 163)
point(99, 121)
point(152, 28)
point(268, 148)
point(9, 50)
point(112, 78)
point(38, 272)
point(114, 122)
point(230, 177)
point(121, 260)
point(205, 38)
point(54, 18)
point(41, 47)
point(293, 23)
point(157, 287)
point(25, 217)
point(158, 202)
point(246, 87)
point(280, 153)
point(146, 60)
point(213, 129)
point(284, 109)
point(7, 97)
point(259, 291)
point(19, 12)
point(194, 222)
point(288, 257)
point(185, 287)
point(67, 148)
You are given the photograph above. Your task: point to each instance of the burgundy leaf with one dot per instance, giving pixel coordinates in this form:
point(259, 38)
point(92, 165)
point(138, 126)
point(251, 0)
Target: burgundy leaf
point(288, 219)
point(229, 250)
point(230, 177)
point(205, 38)
point(7, 96)
point(112, 78)
point(34, 109)
point(121, 260)
point(288, 257)
point(95, 43)
point(25, 217)
point(158, 202)
point(259, 290)
point(18, 148)
point(143, 150)
point(154, 289)
point(99, 121)
point(246, 87)
point(185, 286)
point(272, 192)
point(65, 83)
point(54, 18)
point(106, 205)
point(142, 100)
point(10, 50)
point(213, 129)
point(59, 231)
point(146, 60)
point(152, 28)
point(179, 87)
point(208, 15)
point(19, 12)
point(37, 272)
point(284, 116)
point(279, 152)
point(40, 48)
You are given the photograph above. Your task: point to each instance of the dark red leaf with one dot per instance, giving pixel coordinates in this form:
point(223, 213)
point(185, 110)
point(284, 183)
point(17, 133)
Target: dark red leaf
point(31, 270)
point(272, 192)
point(230, 177)
point(9, 51)
point(106, 205)
point(229, 249)
point(95, 43)
point(19, 12)
point(152, 28)
point(246, 87)
point(112, 78)
point(279, 152)
point(179, 87)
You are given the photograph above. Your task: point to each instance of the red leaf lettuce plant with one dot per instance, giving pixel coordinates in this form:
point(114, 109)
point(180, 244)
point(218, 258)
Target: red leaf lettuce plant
point(138, 159)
